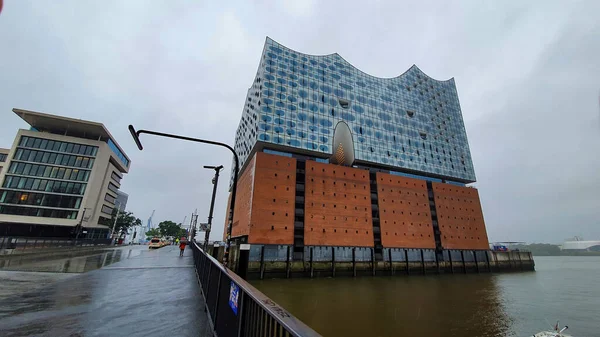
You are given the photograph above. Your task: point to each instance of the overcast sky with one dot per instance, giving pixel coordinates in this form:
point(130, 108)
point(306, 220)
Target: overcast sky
point(527, 73)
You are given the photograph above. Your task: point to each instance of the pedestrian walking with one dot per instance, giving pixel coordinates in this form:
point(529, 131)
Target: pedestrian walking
point(181, 248)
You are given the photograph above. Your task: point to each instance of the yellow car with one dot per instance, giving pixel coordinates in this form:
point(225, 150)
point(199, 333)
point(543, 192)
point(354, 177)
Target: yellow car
point(155, 243)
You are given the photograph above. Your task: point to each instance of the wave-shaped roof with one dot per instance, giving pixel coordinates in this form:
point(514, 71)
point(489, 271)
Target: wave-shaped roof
point(414, 67)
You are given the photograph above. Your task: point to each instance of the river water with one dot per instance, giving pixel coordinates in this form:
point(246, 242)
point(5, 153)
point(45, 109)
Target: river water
point(515, 304)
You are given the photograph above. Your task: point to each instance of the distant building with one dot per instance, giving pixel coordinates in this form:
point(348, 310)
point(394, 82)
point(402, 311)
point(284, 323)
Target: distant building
point(3, 157)
point(333, 157)
point(60, 172)
point(578, 244)
point(121, 201)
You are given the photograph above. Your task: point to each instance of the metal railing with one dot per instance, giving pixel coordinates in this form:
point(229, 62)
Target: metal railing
point(236, 308)
point(29, 244)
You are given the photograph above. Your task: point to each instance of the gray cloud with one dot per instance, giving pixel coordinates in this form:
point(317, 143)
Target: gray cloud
point(527, 75)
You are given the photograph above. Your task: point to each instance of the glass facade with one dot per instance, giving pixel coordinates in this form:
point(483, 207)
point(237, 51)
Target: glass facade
point(46, 174)
point(118, 153)
point(410, 122)
point(3, 157)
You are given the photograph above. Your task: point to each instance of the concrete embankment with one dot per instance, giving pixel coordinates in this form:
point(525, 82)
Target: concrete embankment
point(276, 262)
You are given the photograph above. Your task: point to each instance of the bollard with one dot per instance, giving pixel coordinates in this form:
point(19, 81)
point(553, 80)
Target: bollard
point(243, 260)
point(215, 251)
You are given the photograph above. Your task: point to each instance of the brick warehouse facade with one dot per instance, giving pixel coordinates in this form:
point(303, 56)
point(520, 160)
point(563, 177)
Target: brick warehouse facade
point(332, 157)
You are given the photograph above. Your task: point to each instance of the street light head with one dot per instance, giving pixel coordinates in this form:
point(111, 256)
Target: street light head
point(218, 168)
point(136, 137)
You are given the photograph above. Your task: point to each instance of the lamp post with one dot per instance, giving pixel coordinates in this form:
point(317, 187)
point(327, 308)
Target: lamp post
point(136, 137)
point(79, 226)
point(215, 181)
point(112, 232)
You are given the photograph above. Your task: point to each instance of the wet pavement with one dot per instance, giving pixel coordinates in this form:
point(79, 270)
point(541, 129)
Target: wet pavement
point(135, 292)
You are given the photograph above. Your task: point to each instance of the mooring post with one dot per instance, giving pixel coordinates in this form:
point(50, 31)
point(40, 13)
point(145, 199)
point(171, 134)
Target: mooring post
point(406, 260)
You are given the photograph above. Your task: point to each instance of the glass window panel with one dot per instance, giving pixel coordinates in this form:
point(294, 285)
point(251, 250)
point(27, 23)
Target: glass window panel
point(89, 150)
point(91, 163)
point(61, 173)
point(50, 145)
point(30, 142)
point(56, 146)
point(52, 158)
point(47, 171)
point(68, 173)
point(38, 156)
point(23, 141)
point(18, 154)
point(43, 184)
point(65, 160)
point(45, 157)
point(20, 168)
point(27, 169)
point(85, 162)
point(82, 149)
point(50, 186)
point(76, 148)
point(29, 183)
point(36, 184)
point(81, 175)
point(87, 175)
point(70, 148)
point(94, 151)
point(25, 155)
point(44, 144)
point(22, 182)
point(63, 147)
point(72, 160)
point(37, 143)
point(54, 172)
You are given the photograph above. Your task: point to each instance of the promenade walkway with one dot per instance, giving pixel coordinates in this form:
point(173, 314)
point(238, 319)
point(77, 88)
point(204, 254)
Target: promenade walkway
point(153, 292)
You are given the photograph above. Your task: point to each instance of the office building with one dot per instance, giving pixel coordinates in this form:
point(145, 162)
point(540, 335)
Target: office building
point(59, 173)
point(121, 201)
point(3, 157)
point(333, 157)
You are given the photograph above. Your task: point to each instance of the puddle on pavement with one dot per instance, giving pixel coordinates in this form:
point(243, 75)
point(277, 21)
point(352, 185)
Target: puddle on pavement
point(76, 264)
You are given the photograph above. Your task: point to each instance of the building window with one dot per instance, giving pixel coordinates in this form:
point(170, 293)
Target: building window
point(107, 210)
point(116, 177)
point(113, 188)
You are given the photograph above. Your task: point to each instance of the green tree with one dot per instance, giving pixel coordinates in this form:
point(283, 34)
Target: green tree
point(170, 228)
point(154, 232)
point(125, 221)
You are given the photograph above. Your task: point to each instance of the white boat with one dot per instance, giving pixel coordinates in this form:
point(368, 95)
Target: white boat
point(554, 333)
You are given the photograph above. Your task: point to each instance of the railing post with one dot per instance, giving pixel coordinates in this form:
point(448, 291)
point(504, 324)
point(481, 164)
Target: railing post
point(450, 259)
point(462, 257)
point(476, 263)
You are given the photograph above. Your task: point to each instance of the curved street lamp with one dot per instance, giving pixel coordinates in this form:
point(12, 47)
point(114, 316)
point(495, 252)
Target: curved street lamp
point(136, 137)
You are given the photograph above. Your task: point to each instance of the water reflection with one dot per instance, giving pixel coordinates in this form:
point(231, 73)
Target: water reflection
point(459, 305)
point(78, 264)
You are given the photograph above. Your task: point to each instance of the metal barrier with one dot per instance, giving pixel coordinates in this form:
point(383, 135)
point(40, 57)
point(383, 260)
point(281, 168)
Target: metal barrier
point(236, 308)
point(24, 244)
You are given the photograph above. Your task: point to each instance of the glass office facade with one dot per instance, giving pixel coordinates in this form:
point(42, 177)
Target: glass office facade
point(47, 178)
point(410, 122)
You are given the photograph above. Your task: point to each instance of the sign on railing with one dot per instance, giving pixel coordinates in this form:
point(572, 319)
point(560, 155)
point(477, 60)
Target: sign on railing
point(236, 308)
